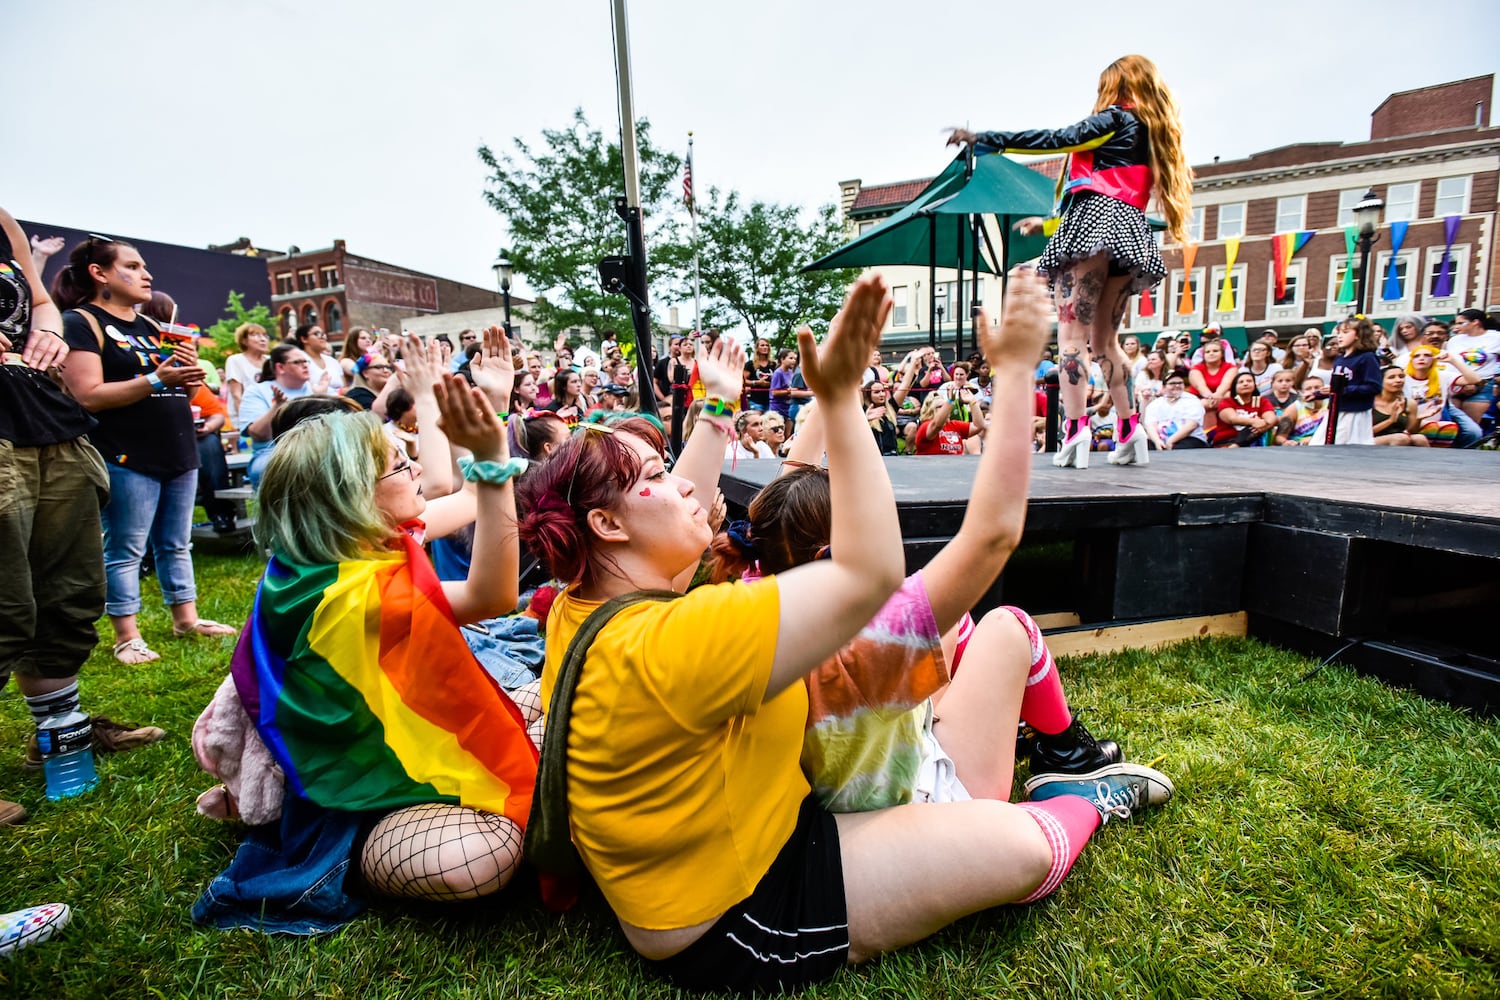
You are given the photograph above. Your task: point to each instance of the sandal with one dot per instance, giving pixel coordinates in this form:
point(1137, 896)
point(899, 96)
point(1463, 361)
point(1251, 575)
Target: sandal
point(203, 627)
point(133, 651)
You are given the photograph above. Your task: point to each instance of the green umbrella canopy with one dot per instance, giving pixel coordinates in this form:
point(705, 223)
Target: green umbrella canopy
point(998, 187)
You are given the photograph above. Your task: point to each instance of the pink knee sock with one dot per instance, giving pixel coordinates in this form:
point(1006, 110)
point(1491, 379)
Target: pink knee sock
point(1067, 822)
point(1072, 427)
point(1127, 427)
point(1043, 706)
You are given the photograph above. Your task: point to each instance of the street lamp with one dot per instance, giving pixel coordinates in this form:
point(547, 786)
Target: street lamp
point(939, 328)
point(504, 272)
point(1367, 219)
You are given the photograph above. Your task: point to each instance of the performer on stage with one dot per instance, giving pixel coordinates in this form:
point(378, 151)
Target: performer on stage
point(1102, 251)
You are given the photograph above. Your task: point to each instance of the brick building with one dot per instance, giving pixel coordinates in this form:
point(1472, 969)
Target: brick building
point(1432, 156)
point(340, 290)
point(1434, 159)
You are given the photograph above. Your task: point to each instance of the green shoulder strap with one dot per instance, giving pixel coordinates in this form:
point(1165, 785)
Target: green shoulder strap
point(548, 842)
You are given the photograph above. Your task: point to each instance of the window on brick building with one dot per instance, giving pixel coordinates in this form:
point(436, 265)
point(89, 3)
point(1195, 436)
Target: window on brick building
point(1231, 221)
point(1452, 197)
point(328, 275)
point(1336, 268)
point(1347, 201)
point(1174, 301)
point(287, 320)
point(310, 314)
point(1458, 267)
point(899, 310)
point(1195, 225)
point(1401, 202)
point(306, 280)
point(1380, 270)
point(333, 318)
point(1293, 294)
point(284, 283)
point(1237, 291)
point(1291, 214)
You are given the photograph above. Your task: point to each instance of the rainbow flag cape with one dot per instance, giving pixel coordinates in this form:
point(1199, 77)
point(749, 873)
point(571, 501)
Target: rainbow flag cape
point(867, 705)
point(366, 694)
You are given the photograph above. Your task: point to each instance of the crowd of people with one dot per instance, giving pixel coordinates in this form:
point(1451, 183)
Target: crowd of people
point(774, 752)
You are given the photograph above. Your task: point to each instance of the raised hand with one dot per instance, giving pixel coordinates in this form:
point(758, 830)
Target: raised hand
point(493, 369)
point(835, 367)
point(1029, 226)
point(1024, 325)
point(466, 417)
point(960, 137)
point(722, 367)
point(424, 364)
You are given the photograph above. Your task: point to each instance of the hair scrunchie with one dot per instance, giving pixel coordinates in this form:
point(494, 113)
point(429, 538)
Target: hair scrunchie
point(739, 534)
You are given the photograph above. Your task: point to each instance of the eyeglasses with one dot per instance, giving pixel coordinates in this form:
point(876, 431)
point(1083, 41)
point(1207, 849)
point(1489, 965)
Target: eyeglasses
point(302, 361)
point(374, 368)
point(406, 467)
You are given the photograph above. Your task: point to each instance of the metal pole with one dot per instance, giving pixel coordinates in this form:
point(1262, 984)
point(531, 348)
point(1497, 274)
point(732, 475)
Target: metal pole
point(697, 251)
point(629, 209)
point(932, 281)
point(1365, 242)
point(974, 316)
point(958, 304)
point(505, 293)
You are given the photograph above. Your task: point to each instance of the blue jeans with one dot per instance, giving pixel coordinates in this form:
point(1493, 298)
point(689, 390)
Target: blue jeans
point(1468, 431)
point(143, 508)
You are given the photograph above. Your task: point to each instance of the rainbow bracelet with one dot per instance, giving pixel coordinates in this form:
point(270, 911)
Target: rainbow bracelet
point(716, 406)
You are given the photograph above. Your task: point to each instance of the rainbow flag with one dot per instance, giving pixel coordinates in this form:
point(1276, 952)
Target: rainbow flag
point(361, 718)
point(1283, 247)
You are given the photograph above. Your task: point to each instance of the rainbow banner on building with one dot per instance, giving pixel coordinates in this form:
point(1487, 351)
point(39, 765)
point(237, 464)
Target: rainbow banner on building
point(1284, 247)
point(1185, 304)
point(1346, 287)
point(1226, 286)
point(366, 719)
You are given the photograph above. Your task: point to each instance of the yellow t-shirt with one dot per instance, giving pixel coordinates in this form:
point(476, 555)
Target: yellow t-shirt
point(682, 785)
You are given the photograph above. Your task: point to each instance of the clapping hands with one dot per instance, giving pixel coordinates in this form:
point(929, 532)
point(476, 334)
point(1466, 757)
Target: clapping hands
point(834, 368)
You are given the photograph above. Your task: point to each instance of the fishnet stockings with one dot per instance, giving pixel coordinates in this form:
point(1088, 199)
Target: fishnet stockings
point(440, 852)
point(529, 700)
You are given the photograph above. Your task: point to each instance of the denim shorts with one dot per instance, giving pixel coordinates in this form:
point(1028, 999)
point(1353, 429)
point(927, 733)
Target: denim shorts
point(792, 930)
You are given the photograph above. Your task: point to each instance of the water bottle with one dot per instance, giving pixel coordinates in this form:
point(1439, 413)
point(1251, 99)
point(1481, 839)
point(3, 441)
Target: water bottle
point(67, 745)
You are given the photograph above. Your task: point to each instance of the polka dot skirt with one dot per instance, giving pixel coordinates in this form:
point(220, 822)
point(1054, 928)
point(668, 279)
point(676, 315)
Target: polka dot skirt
point(1096, 223)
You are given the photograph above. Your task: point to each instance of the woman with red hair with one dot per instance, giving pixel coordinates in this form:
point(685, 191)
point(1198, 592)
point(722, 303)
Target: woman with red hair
point(675, 726)
point(1101, 251)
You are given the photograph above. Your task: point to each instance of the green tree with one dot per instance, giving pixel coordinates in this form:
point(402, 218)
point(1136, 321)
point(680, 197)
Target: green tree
point(234, 316)
point(751, 266)
point(558, 203)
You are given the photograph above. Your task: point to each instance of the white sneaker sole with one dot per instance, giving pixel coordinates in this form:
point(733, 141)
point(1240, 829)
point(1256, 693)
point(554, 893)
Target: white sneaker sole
point(1159, 787)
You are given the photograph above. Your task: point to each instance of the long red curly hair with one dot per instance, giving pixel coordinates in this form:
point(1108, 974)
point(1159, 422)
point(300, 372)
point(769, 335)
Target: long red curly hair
point(1134, 79)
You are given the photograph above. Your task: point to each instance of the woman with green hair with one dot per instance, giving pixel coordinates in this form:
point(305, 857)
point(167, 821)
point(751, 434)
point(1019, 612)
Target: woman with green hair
point(406, 765)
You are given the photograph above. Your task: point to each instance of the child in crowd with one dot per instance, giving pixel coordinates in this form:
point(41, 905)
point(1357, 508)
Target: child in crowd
point(1356, 382)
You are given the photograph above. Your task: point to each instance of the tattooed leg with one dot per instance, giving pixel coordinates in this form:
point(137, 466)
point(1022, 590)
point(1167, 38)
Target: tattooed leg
point(1104, 339)
point(1076, 296)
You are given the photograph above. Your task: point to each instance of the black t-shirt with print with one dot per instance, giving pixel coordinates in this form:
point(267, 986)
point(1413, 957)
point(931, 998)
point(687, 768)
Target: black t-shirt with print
point(753, 371)
point(153, 436)
point(34, 411)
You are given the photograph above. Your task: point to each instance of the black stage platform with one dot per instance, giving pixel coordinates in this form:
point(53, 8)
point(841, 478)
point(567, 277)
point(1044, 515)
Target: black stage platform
point(1393, 553)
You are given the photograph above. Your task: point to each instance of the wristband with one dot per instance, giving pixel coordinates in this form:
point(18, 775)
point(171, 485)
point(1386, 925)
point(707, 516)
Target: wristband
point(716, 406)
point(154, 380)
point(497, 473)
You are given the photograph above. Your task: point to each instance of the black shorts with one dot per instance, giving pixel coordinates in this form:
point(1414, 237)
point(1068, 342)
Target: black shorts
point(791, 931)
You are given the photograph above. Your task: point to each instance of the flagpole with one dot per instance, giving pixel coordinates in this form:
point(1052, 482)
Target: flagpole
point(628, 275)
point(697, 272)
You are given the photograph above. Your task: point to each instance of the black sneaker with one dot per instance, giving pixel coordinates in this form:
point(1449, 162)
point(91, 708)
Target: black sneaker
point(1073, 751)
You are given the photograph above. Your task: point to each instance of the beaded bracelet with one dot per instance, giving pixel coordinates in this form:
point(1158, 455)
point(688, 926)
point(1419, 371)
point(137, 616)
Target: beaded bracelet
point(497, 473)
point(716, 406)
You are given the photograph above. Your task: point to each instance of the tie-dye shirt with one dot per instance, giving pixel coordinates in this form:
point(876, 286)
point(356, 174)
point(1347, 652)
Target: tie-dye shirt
point(867, 706)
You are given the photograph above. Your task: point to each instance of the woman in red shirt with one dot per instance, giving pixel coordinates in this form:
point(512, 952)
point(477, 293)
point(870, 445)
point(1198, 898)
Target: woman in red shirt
point(1244, 417)
point(937, 435)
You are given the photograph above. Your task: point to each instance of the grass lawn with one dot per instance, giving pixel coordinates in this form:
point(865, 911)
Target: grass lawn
point(1330, 837)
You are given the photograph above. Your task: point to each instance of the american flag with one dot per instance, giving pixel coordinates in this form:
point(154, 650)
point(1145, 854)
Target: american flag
point(687, 180)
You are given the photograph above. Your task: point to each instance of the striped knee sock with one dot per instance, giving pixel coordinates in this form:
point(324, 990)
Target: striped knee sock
point(1043, 706)
point(59, 702)
point(1067, 822)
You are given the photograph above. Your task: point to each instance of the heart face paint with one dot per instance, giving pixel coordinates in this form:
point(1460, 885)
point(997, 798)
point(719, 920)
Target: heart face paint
point(645, 492)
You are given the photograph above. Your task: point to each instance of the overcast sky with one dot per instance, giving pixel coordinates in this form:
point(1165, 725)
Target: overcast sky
point(298, 121)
